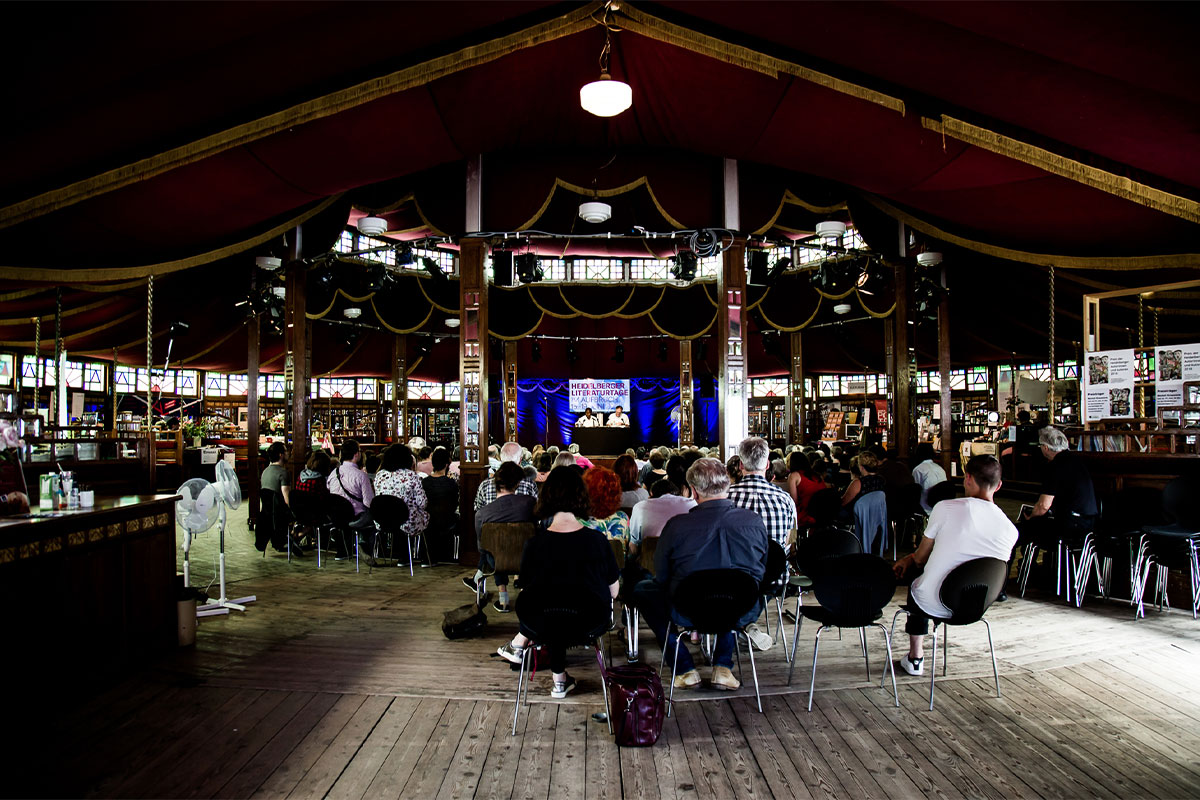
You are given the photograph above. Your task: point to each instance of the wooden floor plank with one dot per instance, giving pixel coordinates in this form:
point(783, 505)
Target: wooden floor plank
point(763, 741)
point(431, 768)
point(499, 770)
point(740, 763)
point(325, 771)
point(879, 763)
point(568, 765)
point(532, 780)
point(854, 776)
point(398, 765)
point(309, 750)
point(819, 777)
point(603, 778)
point(463, 773)
point(352, 783)
point(671, 764)
point(704, 761)
point(639, 773)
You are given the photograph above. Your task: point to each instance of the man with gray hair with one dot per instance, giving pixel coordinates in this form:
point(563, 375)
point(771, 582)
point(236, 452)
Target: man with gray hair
point(511, 451)
point(757, 493)
point(714, 534)
point(1067, 505)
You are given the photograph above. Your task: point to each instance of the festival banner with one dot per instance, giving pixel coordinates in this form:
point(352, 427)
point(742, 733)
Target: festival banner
point(1173, 365)
point(601, 396)
point(1108, 377)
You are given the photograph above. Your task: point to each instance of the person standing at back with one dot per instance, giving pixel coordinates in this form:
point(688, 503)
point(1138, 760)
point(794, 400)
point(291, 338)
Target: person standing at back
point(774, 505)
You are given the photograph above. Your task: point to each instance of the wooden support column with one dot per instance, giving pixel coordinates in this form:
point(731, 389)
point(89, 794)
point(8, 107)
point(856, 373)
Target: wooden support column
point(947, 431)
point(687, 436)
point(398, 418)
point(902, 368)
point(112, 393)
point(298, 361)
point(510, 391)
point(795, 397)
point(253, 338)
point(473, 363)
point(733, 386)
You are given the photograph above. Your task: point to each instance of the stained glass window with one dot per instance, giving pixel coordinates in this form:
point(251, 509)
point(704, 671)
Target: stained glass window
point(649, 269)
point(74, 375)
point(598, 269)
point(769, 387)
point(424, 390)
point(366, 388)
point(215, 384)
point(336, 388)
point(453, 391)
point(95, 377)
point(345, 243)
point(6, 369)
point(186, 382)
point(709, 267)
point(977, 379)
point(237, 385)
point(829, 386)
point(1068, 371)
point(958, 380)
point(387, 391)
point(276, 387)
point(125, 379)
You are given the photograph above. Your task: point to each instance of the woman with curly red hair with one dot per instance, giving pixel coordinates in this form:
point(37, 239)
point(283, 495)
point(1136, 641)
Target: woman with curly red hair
point(604, 491)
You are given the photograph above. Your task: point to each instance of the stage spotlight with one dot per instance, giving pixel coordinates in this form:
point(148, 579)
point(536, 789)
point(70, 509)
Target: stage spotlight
point(322, 279)
point(927, 294)
point(833, 278)
point(179, 328)
point(537, 351)
point(872, 278)
point(404, 256)
point(529, 268)
point(684, 268)
point(422, 348)
point(350, 340)
point(572, 350)
point(434, 269)
point(377, 277)
point(663, 350)
point(619, 356)
point(778, 268)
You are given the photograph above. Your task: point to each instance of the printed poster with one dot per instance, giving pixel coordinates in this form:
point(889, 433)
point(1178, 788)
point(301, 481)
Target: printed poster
point(1108, 384)
point(601, 396)
point(1173, 365)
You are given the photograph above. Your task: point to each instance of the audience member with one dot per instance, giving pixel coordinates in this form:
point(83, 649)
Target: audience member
point(894, 471)
point(275, 477)
point(510, 452)
point(566, 562)
point(397, 477)
point(507, 507)
point(677, 474)
point(715, 534)
point(927, 473)
point(424, 460)
point(443, 495)
point(802, 483)
point(349, 481)
point(565, 459)
point(632, 492)
point(311, 480)
point(371, 465)
point(580, 459)
point(866, 480)
point(959, 531)
point(604, 494)
point(655, 469)
point(734, 467)
point(649, 516)
point(493, 453)
point(544, 463)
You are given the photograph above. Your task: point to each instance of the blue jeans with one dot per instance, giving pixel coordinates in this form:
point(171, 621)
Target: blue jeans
point(654, 604)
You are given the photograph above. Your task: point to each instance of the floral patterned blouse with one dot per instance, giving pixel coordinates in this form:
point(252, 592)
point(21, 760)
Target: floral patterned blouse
point(406, 484)
point(614, 527)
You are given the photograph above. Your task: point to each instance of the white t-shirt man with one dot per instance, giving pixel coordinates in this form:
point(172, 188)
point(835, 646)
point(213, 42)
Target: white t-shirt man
point(928, 474)
point(588, 421)
point(961, 530)
point(617, 419)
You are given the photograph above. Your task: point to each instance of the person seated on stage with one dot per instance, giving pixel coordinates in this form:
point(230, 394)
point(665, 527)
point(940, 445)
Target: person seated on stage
point(543, 463)
point(581, 460)
point(349, 481)
point(655, 469)
point(802, 483)
point(510, 452)
point(959, 531)
point(649, 516)
point(715, 534)
point(566, 560)
point(863, 467)
point(632, 492)
point(1067, 504)
point(397, 477)
point(588, 420)
point(617, 419)
point(507, 507)
point(927, 473)
point(604, 494)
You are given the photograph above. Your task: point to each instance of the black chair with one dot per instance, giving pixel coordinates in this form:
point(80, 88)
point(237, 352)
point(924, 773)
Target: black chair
point(274, 523)
point(340, 514)
point(810, 555)
point(774, 586)
point(563, 622)
point(714, 601)
point(308, 511)
point(645, 561)
point(505, 543)
point(968, 591)
point(852, 591)
point(443, 523)
point(390, 513)
point(823, 507)
point(904, 513)
point(946, 490)
point(1172, 545)
point(1118, 534)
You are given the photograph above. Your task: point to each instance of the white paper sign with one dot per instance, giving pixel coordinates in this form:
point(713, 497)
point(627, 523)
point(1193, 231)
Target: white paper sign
point(599, 395)
point(1173, 365)
point(1108, 384)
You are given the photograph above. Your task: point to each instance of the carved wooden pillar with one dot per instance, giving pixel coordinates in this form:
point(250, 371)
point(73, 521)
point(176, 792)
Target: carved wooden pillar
point(687, 436)
point(252, 412)
point(510, 391)
point(473, 363)
point(947, 431)
point(795, 397)
point(398, 420)
point(731, 312)
point(901, 365)
point(298, 360)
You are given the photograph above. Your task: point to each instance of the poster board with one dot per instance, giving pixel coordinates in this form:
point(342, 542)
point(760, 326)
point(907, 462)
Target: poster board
point(1174, 364)
point(1108, 377)
point(601, 396)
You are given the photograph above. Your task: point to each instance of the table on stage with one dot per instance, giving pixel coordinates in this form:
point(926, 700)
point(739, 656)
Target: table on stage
point(602, 441)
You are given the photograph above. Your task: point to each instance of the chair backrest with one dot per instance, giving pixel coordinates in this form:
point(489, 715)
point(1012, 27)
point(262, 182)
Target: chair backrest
point(559, 619)
point(824, 506)
point(776, 566)
point(1179, 500)
point(971, 587)
point(618, 550)
point(823, 545)
point(946, 490)
point(1123, 513)
point(715, 600)
point(854, 588)
point(339, 510)
point(646, 551)
point(389, 511)
point(1172, 552)
point(903, 501)
point(307, 508)
point(870, 518)
point(506, 542)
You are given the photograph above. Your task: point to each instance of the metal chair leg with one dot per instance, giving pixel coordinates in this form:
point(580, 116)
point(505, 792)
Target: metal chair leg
point(604, 684)
point(933, 667)
point(891, 635)
point(674, 666)
point(992, 648)
point(753, 669)
point(862, 637)
point(813, 683)
point(520, 682)
point(887, 639)
point(410, 556)
point(782, 630)
point(795, 638)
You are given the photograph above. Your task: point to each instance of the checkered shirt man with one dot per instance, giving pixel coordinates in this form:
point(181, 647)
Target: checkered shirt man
point(487, 491)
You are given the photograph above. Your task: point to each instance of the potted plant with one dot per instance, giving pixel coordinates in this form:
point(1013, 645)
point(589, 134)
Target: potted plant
point(194, 432)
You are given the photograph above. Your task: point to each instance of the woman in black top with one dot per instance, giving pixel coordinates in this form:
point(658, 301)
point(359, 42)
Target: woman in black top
point(565, 561)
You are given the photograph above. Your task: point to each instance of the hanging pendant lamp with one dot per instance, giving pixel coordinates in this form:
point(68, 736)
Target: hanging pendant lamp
point(605, 96)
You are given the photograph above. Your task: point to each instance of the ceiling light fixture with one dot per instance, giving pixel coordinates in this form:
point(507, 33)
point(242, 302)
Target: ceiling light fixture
point(929, 259)
point(831, 229)
point(595, 212)
point(842, 309)
point(353, 312)
point(269, 263)
point(453, 322)
point(372, 226)
point(605, 97)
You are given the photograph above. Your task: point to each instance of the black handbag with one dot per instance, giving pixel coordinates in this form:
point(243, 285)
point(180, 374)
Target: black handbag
point(464, 622)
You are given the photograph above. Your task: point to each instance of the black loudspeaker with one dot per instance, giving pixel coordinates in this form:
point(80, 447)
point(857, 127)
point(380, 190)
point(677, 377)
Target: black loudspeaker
point(758, 267)
point(502, 267)
point(708, 388)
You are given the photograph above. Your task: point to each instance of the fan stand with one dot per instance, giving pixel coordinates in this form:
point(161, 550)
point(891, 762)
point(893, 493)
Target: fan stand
point(223, 604)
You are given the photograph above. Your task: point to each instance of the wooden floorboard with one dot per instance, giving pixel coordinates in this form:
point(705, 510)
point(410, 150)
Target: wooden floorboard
point(338, 684)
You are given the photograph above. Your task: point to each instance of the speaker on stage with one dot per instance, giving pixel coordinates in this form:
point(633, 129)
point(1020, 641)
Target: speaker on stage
point(502, 267)
point(758, 267)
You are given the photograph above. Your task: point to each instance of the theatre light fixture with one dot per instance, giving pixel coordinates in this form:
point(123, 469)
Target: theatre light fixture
point(605, 96)
point(929, 259)
point(684, 268)
point(529, 268)
point(372, 226)
point(353, 312)
point(831, 229)
point(595, 212)
point(269, 263)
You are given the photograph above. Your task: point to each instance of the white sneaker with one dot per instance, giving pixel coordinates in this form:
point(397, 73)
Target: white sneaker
point(762, 641)
point(912, 667)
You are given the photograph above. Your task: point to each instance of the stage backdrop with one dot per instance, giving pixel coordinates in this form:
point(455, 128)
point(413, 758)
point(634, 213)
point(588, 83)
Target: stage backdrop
point(544, 415)
point(599, 395)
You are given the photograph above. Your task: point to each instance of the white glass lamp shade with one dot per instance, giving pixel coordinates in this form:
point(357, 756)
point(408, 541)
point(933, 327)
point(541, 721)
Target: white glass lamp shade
point(606, 97)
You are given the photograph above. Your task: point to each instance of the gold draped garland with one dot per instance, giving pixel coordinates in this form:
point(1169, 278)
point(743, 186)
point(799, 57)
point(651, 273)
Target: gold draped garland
point(69, 313)
point(789, 198)
point(801, 326)
point(1177, 261)
point(384, 323)
point(410, 197)
point(165, 267)
point(432, 302)
point(614, 313)
point(81, 334)
point(619, 190)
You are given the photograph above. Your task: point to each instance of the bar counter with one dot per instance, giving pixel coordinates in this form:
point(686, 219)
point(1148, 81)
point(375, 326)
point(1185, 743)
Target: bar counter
point(89, 589)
